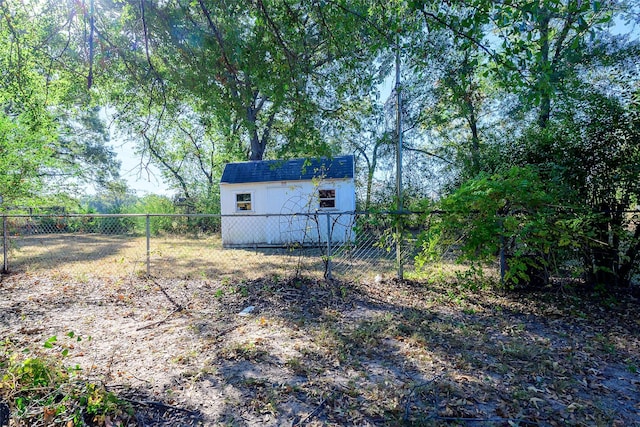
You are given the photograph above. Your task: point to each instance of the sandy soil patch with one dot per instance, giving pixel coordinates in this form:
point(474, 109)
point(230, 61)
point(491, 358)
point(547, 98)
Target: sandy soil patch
point(317, 353)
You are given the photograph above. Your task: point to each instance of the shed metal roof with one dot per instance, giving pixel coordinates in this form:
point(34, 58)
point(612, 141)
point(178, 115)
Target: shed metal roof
point(288, 170)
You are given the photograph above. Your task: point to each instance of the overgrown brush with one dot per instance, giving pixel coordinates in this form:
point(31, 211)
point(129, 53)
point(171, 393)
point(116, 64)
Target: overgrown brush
point(37, 388)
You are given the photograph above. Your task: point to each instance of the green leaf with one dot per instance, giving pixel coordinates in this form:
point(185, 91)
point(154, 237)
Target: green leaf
point(49, 342)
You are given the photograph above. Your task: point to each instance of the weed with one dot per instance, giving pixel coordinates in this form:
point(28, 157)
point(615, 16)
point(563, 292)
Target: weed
point(184, 358)
point(471, 279)
point(343, 292)
point(579, 313)
point(368, 332)
point(82, 278)
point(519, 350)
point(40, 389)
point(405, 328)
point(296, 366)
point(267, 289)
point(454, 298)
point(332, 342)
point(606, 344)
point(249, 350)
point(521, 394)
point(255, 382)
point(97, 401)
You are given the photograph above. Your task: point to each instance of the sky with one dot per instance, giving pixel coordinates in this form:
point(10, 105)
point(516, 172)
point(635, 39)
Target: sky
point(142, 181)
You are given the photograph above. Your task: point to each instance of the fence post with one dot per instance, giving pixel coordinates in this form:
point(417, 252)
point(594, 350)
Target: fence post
point(399, 247)
point(148, 233)
point(328, 275)
point(503, 259)
point(5, 245)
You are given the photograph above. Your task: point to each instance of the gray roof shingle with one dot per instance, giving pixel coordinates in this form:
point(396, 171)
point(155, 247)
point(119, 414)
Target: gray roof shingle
point(288, 170)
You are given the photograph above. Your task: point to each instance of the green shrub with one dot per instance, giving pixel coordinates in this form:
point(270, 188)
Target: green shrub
point(504, 214)
point(40, 389)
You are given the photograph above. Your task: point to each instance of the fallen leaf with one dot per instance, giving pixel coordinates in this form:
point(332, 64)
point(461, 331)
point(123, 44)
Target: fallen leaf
point(574, 406)
point(49, 414)
point(535, 401)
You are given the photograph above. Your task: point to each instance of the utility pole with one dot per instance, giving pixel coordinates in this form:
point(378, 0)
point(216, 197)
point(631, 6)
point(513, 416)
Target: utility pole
point(398, 89)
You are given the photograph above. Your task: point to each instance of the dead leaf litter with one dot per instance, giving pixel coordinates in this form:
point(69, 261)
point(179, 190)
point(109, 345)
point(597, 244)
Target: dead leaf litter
point(315, 353)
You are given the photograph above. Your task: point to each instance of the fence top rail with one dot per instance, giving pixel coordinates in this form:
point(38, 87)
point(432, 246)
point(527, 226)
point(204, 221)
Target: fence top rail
point(206, 215)
point(247, 214)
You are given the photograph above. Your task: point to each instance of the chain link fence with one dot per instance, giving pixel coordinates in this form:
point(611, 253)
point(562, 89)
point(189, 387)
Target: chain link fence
point(345, 245)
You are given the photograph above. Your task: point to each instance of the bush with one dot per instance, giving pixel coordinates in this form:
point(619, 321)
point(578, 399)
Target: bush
point(505, 214)
point(591, 150)
point(40, 390)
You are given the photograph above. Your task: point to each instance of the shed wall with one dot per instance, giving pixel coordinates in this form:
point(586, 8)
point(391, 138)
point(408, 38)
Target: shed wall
point(273, 220)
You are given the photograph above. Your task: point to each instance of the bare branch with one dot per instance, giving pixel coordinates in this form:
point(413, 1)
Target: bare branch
point(428, 153)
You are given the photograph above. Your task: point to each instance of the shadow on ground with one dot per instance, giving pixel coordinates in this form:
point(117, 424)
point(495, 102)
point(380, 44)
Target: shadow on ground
point(317, 353)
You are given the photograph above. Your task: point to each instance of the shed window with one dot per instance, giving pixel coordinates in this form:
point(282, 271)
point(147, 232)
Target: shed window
point(327, 198)
point(243, 201)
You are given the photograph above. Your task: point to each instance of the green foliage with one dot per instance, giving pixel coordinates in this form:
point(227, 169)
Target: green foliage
point(114, 198)
point(39, 388)
point(543, 37)
point(82, 147)
point(200, 84)
point(507, 211)
point(571, 203)
point(592, 153)
point(25, 151)
point(208, 205)
point(153, 204)
point(164, 222)
point(46, 145)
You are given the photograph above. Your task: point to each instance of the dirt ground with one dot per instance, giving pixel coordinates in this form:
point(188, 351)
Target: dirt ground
point(312, 353)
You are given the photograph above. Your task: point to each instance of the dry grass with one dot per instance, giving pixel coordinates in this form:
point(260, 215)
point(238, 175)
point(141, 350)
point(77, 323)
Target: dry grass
point(122, 256)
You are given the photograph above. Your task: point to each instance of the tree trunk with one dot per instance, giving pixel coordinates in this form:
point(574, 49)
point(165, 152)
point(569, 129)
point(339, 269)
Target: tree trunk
point(475, 138)
point(604, 254)
point(629, 260)
point(257, 146)
point(371, 170)
point(544, 72)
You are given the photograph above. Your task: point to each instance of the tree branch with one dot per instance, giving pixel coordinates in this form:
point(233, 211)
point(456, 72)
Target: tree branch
point(219, 39)
point(428, 153)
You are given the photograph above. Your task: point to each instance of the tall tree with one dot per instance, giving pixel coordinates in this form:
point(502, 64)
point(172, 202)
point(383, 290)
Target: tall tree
point(41, 138)
point(449, 94)
point(257, 75)
point(201, 83)
point(533, 46)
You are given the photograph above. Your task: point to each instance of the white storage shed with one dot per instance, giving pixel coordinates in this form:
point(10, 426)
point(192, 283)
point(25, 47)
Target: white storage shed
point(284, 202)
